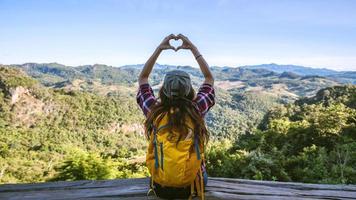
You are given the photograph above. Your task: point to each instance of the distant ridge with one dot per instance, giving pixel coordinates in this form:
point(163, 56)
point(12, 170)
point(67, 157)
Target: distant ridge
point(341, 76)
point(301, 70)
point(126, 71)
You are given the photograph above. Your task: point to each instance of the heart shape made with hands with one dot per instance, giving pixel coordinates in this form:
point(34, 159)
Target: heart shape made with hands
point(175, 43)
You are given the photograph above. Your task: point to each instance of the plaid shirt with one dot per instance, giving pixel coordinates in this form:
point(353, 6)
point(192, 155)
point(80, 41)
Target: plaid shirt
point(204, 100)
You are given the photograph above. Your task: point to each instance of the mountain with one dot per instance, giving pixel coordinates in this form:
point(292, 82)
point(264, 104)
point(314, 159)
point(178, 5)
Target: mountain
point(345, 77)
point(49, 111)
point(243, 94)
point(287, 84)
point(340, 76)
point(52, 73)
point(301, 70)
point(42, 128)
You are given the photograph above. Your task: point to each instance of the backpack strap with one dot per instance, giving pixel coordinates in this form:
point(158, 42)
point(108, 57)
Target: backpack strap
point(155, 131)
point(155, 145)
point(161, 147)
point(191, 190)
point(196, 144)
point(152, 187)
point(201, 184)
point(198, 184)
point(163, 126)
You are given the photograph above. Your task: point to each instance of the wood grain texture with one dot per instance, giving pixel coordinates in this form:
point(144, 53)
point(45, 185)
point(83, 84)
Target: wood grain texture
point(217, 188)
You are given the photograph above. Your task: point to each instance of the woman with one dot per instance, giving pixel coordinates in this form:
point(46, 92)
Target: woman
point(177, 101)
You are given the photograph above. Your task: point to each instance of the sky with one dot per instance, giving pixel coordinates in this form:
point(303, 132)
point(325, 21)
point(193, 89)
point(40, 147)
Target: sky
point(313, 33)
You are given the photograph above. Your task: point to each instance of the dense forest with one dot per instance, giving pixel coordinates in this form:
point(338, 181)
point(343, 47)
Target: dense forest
point(41, 129)
point(312, 140)
point(72, 123)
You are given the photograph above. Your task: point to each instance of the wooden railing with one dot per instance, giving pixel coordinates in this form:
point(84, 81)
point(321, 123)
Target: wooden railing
point(217, 188)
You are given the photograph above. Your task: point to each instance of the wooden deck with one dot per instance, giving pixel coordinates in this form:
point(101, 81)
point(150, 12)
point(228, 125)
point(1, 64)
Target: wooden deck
point(217, 188)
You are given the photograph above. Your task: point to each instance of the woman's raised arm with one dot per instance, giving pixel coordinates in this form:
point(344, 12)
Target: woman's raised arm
point(143, 77)
point(204, 67)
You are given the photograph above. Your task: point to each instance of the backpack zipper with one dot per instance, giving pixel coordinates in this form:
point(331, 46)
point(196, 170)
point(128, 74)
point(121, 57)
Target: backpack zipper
point(161, 144)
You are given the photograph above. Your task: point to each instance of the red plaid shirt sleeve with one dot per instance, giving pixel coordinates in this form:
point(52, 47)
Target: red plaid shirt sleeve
point(145, 98)
point(205, 98)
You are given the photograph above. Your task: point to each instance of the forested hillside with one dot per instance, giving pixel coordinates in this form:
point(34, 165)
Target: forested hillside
point(312, 140)
point(42, 129)
point(243, 94)
point(68, 123)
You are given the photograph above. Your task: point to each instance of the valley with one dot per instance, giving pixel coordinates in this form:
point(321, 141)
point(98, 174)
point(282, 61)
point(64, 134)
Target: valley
point(53, 115)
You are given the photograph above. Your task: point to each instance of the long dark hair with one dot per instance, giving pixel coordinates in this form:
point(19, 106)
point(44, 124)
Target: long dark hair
point(178, 109)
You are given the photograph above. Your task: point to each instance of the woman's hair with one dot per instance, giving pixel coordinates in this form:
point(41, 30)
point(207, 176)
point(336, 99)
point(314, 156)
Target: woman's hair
point(178, 109)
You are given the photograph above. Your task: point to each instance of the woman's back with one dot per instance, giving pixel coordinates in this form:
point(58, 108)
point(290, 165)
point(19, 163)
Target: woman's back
point(175, 126)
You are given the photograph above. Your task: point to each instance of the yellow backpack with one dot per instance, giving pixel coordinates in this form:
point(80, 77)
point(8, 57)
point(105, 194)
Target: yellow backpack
point(172, 164)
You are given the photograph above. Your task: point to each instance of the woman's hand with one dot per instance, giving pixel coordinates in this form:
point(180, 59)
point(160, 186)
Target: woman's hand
point(187, 44)
point(147, 68)
point(165, 43)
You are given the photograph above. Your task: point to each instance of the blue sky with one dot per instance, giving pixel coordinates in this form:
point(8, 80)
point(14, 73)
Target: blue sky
point(316, 33)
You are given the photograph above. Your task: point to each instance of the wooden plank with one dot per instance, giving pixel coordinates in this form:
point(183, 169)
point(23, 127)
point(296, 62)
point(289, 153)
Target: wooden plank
point(289, 184)
point(281, 190)
point(217, 188)
point(224, 195)
point(73, 184)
